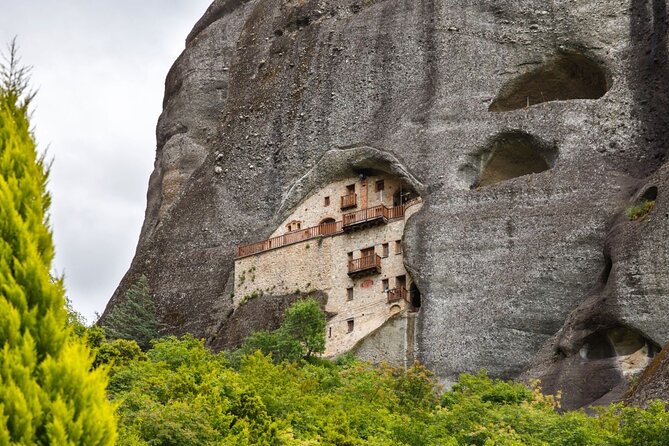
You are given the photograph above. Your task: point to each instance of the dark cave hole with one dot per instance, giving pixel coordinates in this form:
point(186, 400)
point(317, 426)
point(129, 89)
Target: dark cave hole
point(613, 342)
point(512, 155)
point(567, 76)
point(650, 194)
point(414, 295)
point(608, 266)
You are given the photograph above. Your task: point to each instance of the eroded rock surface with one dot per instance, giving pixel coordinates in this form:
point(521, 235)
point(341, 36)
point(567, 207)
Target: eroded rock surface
point(510, 273)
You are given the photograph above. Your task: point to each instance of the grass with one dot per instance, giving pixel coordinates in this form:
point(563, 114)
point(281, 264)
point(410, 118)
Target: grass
point(639, 211)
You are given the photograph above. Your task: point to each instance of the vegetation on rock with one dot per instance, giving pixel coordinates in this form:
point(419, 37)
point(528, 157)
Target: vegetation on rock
point(299, 337)
point(135, 317)
point(48, 393)
point(640, 210)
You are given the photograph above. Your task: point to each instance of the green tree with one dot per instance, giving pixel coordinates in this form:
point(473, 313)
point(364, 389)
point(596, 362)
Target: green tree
point(135, 317)
point(48, 393)
point(300, 336)
point(305, 322)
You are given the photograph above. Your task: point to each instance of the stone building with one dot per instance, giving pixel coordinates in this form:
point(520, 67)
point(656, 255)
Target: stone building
point(344, 240)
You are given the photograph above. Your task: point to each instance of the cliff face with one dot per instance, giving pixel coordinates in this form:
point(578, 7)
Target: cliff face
point(519, 274)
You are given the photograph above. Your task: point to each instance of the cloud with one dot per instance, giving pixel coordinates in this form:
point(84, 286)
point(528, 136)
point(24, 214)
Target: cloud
point(100, 69)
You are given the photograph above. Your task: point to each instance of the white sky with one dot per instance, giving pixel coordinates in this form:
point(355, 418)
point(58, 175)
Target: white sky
point(100, 68)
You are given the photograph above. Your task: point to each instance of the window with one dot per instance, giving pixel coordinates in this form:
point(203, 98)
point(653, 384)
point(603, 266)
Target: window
point(385, 285)
point(326, 201)
point(351, 324)
point(349, 294)
point(398, 247)
point(367, 252)
point(380, 185)
point(385, 249)
point(294, 226)
point(329, 332)
point(350, 256)
point(350, 189)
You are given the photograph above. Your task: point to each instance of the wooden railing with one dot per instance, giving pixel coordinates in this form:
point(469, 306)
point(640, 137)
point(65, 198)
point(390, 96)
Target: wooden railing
point(365, 215)
point(364, 263)
point(369, 214)
point(397, 294)
point(325, 229)
point(349, 201)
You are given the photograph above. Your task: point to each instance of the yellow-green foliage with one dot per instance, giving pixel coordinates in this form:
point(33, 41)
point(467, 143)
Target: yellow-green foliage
point(48, 395)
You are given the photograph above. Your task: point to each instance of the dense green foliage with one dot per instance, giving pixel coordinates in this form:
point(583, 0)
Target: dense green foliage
point(134, 318)
point(301, 334)
point(182, 394)
point(48, 395)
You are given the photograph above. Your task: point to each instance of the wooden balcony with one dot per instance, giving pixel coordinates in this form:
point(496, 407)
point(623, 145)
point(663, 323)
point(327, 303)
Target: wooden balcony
point(349, 201)
point(364, 266)
point(322, 230)
point(397, 294)
point(350, 221)
point(369, 217)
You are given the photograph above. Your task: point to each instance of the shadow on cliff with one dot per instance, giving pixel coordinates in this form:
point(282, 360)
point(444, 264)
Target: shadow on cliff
point(649, 81)
point(595, 353)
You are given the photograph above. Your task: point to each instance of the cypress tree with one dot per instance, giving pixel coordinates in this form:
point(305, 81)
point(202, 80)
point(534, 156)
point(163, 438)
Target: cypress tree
point(135, 317)
point(48, 393)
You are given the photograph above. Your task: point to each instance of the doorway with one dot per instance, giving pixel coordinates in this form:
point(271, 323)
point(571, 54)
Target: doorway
point(414, 296)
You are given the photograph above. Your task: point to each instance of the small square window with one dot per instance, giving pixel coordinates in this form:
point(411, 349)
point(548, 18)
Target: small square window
point(351, 325)
point(385, 249)
point(380, 185)
point(398, 247)
point(326, 201)
point(349, 294)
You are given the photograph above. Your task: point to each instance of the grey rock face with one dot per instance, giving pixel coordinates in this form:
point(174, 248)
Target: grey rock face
point(511, 273)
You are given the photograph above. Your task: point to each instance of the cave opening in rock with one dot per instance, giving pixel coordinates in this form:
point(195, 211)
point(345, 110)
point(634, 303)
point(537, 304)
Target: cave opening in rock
point(617, 342)
point(644, 205)
point(511, 155)
point(650, 194)
point(567, 76)
point(414, 295)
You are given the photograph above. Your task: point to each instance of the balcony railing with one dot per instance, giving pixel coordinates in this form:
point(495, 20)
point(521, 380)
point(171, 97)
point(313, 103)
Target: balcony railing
point(349, 201)
point(371, 216)
point(351, 220)
point(325, 229)
point(396, 295)
point(369, 264)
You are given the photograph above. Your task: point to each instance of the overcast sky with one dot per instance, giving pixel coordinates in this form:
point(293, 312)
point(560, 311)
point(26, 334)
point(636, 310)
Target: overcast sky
point(100, 68)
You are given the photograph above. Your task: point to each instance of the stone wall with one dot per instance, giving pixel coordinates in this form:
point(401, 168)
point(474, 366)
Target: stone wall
point(322, 264)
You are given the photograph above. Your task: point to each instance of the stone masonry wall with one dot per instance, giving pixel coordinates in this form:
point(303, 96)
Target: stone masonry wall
point(322, 264)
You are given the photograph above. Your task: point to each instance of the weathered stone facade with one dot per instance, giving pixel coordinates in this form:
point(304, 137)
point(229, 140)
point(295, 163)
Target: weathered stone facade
point(358, 305)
